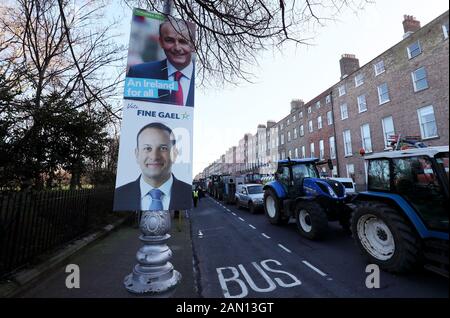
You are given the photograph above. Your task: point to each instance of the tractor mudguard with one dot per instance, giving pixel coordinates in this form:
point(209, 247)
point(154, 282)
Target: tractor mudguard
point(406, 209)
point(278, 188)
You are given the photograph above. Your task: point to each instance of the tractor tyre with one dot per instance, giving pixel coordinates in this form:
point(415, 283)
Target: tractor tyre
point(311, 220)
point(385, 238)
point(272, 207)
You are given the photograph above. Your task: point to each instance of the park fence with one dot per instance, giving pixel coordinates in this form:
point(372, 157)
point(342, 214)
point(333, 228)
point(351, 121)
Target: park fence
point(33, 223)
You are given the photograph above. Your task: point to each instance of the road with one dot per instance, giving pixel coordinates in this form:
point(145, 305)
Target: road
point(242, 255)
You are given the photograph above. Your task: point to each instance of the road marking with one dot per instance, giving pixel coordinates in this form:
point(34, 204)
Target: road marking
point(266, 236)
point(284, 248)
point(200, 234)
point(228, 210)
point(314, 268)
point(252, 226)
point(233, 213)
point(241, 219)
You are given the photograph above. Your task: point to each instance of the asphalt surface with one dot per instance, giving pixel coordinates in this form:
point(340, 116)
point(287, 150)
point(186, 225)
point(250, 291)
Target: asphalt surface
point(243, 255)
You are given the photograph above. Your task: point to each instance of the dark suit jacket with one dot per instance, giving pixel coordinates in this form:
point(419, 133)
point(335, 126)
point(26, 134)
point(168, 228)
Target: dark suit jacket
point(128, 196)
point(158, 70)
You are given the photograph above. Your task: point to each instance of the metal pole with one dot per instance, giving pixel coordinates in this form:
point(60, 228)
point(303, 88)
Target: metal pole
point(153, 273)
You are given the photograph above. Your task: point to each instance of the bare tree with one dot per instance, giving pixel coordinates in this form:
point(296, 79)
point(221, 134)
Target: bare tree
point(232, 33)
point(70, 53)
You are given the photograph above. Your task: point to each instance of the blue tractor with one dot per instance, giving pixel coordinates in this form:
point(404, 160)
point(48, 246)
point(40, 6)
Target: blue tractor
point(401, 221)
point(299, 192)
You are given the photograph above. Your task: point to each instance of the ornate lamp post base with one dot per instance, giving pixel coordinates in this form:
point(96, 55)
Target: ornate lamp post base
point(153, 273)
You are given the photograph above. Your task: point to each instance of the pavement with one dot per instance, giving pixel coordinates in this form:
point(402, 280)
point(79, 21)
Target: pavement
point(103, 265)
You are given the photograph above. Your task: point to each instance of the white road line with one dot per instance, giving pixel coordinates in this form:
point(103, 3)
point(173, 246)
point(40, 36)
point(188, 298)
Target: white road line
point(233, 213)
point(200, 234)
point(314, 268)
point(241, 219)
point(252, 226)
point(228, 210)
point(266, 236)
point(284, 248)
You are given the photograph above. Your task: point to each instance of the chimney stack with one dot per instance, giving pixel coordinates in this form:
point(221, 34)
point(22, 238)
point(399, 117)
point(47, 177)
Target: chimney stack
point(296, 104)
point(349, 63)
point(410, 25)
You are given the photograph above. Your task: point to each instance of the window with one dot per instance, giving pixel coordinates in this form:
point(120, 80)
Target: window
point(341, 90)
point(344, 112)
point(419, 78)
point(283, 154)
point(332, 148)
point(388, 129)
point(288, 122)
point(362, 105)
point(290, 153)
point(303, 152)
point(318, 104)
point(309, 110)
point(328, 99)
point(281, 126)
point(329, 118)
point(300, 115)
point(310, 126)
point(350, 171)
point(296, 152)
point(383, 94)
point(282, 139)
point(379, 68)
point(295, 133)
point(294, 119)
point(302, 131)
point(379, 175)
point(427, 121)
point(311, 149)
point(445, 30)
point(347, 143)
point(289, 136)
point(414, 50)
point(319, 122)
point(365, 138)
point(359, 80)
point(321, 149)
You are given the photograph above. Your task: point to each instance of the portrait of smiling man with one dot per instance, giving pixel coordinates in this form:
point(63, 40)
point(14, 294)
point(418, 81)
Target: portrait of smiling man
point(176, 39)
point(156, 189)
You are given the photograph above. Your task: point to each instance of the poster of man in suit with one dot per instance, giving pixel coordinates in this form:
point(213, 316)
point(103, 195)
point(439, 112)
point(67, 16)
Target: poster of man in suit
point(154, 170)
point(163, 69)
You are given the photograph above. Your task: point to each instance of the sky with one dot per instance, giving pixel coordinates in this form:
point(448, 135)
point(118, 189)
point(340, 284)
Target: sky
point(222, 116)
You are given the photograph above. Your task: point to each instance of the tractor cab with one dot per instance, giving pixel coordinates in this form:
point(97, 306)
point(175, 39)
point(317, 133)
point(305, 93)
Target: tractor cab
point(292, 172)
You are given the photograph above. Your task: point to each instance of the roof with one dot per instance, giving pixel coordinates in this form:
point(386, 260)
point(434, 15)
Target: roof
point(428, 151)
point(303, 160)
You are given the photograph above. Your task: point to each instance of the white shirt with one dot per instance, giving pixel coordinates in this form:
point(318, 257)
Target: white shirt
point(165, 188)
point(185, 79)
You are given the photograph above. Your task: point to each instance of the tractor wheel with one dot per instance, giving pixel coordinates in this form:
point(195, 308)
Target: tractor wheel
point(384, 237)
point(311, 220)
point(272, 207)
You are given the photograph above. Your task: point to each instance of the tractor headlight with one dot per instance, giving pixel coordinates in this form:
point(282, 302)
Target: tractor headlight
point(332, 193)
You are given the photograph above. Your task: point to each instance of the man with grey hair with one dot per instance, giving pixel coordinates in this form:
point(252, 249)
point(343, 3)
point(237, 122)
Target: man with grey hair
point(176, 39)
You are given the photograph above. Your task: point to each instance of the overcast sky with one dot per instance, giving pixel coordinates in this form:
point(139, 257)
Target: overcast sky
point(223, 116)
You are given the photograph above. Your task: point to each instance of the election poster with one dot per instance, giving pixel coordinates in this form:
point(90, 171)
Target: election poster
point(154, 170)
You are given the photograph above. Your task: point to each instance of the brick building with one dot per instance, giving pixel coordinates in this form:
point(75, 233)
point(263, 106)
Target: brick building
point(402, 91)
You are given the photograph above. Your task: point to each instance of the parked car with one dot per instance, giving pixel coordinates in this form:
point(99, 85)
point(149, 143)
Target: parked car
point(250, 196)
